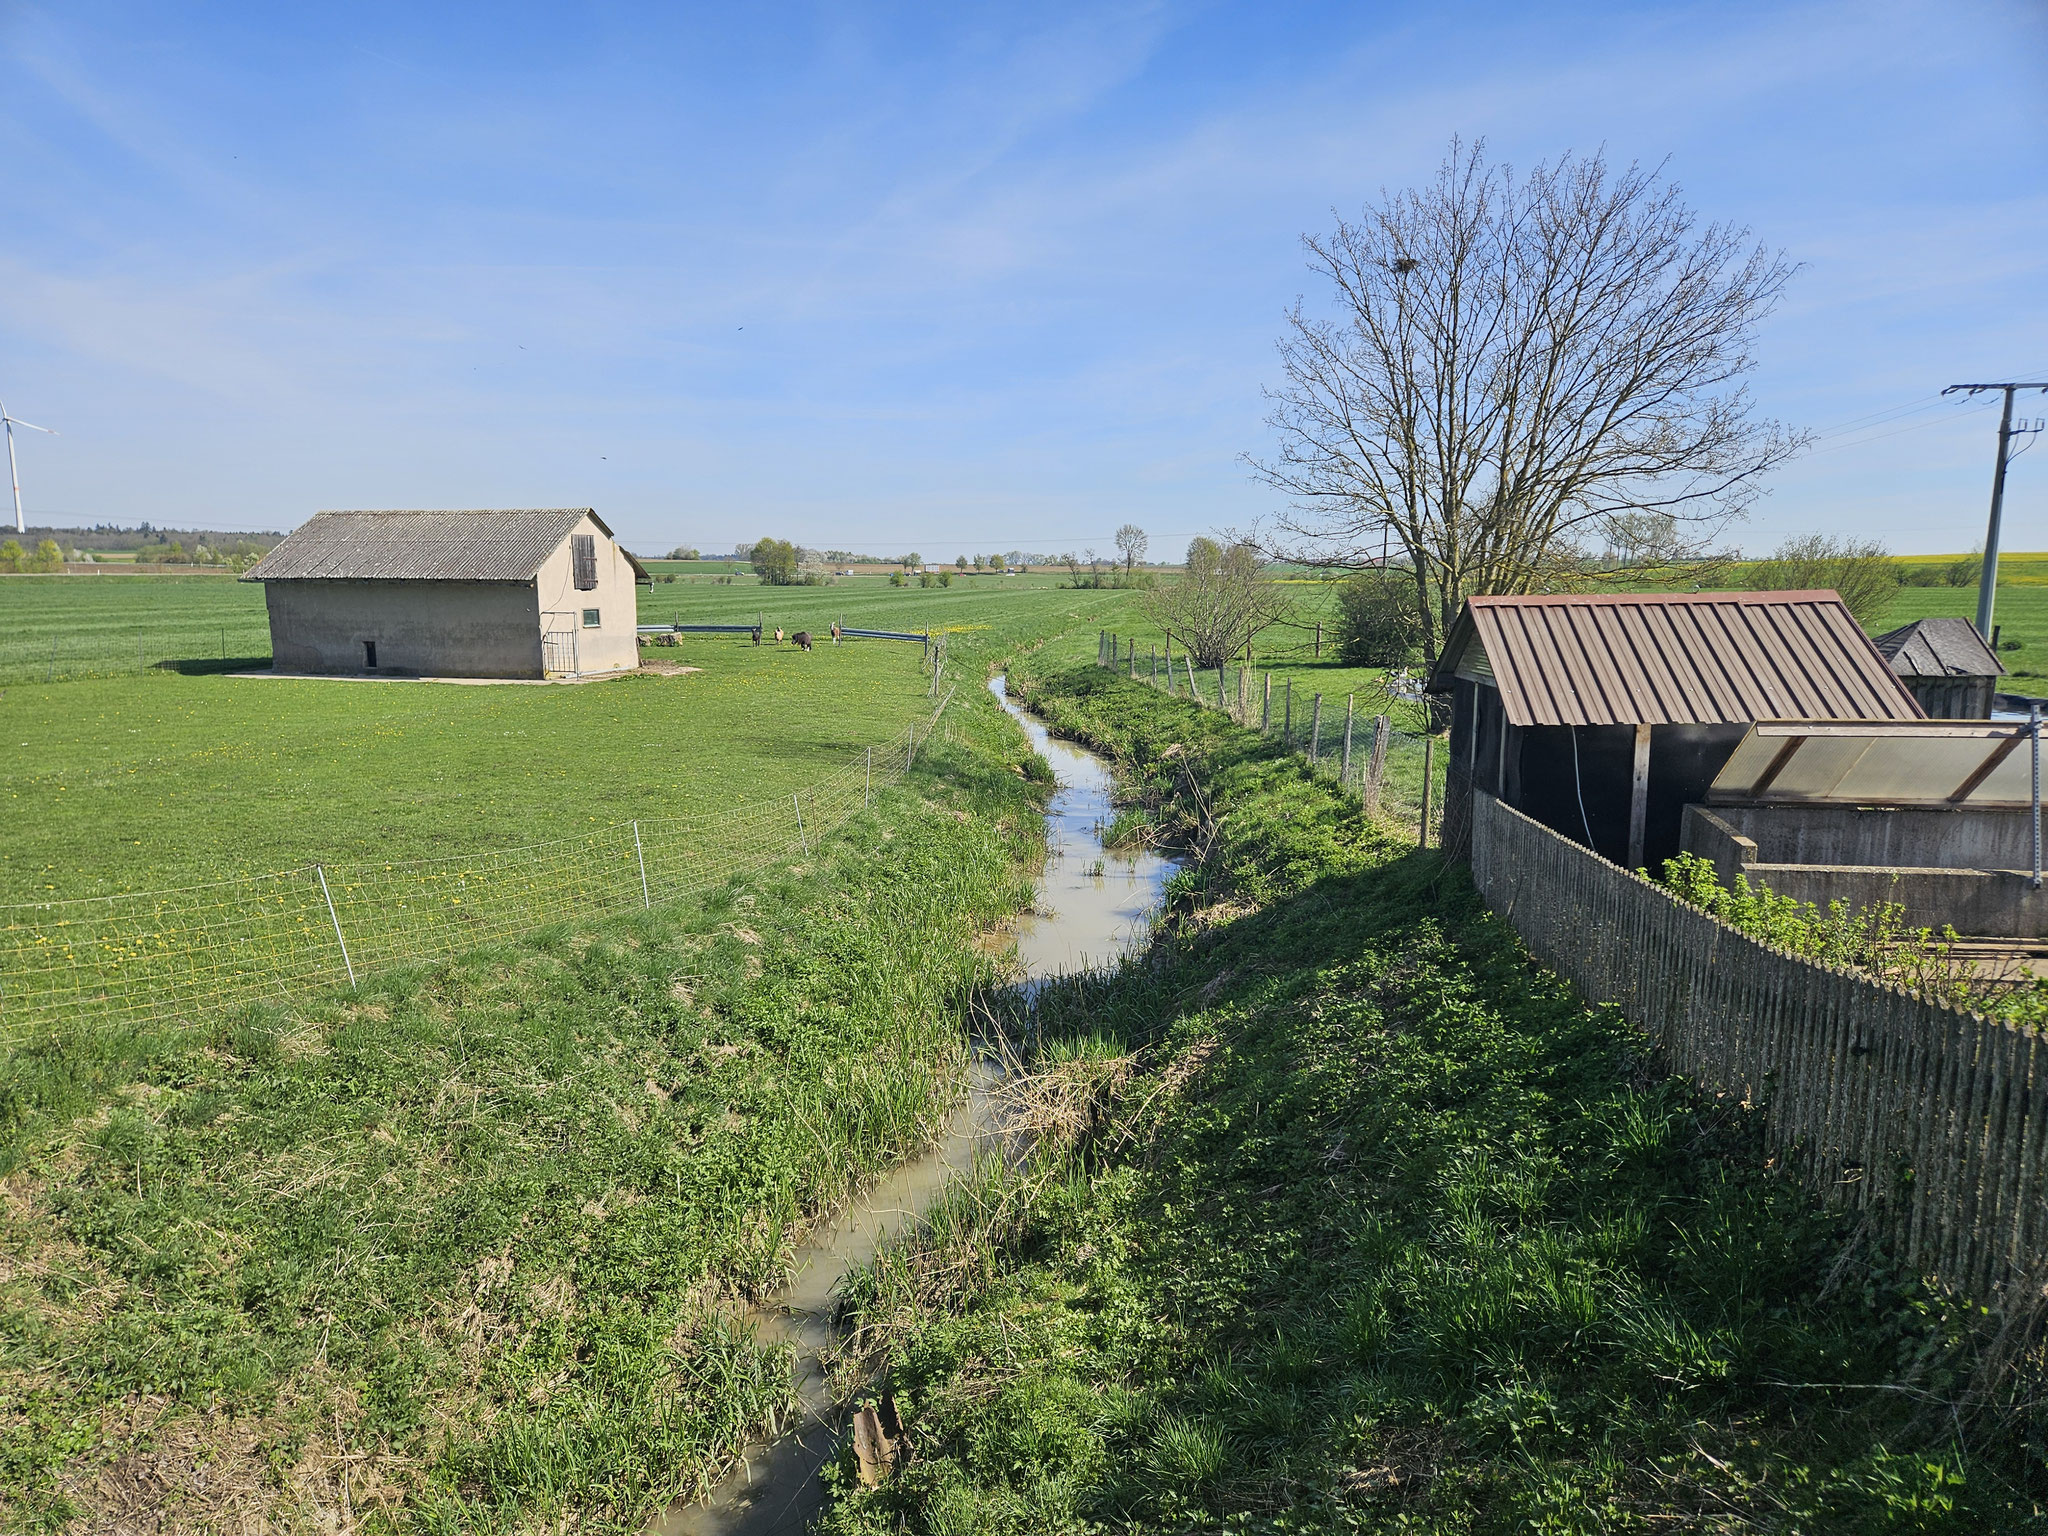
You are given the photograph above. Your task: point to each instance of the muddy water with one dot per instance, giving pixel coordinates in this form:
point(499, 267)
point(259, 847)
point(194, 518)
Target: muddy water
point(1090, 904)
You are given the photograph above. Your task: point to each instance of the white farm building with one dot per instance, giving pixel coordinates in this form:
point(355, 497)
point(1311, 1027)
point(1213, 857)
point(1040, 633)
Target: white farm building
point(533, 593)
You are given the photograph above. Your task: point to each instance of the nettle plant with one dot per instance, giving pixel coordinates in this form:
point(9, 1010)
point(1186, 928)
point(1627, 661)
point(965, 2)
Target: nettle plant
point(1874, 939)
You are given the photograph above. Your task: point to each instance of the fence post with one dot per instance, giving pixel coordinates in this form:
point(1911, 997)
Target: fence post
point(1319, 639)
point(1266, 719)
point(1428, 784)
point(335, 919)
point(1376, 766)
point(640, 858)
point(1134, 659)
point(1344, 770)
point(803, 841)
point(1315, 728)
point(1222, 698)
point(1188, 660)
point(867, 795)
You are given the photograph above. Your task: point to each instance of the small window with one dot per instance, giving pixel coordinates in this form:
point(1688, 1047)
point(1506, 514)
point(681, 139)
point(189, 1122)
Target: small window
point(590, 618)
point(583, 556)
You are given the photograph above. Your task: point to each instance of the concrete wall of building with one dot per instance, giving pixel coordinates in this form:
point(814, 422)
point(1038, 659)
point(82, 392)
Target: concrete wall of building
point(1995, 899)
point(435, 628)
point(612, 643)
point(1981, 837)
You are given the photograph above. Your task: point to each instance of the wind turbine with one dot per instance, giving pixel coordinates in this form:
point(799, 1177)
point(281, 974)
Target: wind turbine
point(13, 472)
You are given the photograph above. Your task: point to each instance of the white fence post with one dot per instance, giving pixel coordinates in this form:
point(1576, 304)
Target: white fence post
point(641, 859)
point(801, 839)
point(335, 919)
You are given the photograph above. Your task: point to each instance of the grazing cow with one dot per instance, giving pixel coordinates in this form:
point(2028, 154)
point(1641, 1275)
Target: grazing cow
point(803, 638)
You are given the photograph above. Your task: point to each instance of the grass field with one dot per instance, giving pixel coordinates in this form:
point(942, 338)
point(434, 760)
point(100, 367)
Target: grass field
point(160, 779)
point(451, 1252)
point(1366, 1225)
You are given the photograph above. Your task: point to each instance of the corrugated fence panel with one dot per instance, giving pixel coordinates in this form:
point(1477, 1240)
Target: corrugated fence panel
point(1927, 1116)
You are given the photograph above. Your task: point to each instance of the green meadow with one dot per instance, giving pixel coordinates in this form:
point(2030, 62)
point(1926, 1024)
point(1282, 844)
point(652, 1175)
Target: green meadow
point(167, 778)
point(459, 1249)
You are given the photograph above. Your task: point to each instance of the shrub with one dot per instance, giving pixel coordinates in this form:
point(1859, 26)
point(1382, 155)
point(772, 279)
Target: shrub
point(775, 562)
point(1377, 621)
point(1859, 569)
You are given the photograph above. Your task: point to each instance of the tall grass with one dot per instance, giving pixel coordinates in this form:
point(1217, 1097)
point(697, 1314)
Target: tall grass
point(457, 1250)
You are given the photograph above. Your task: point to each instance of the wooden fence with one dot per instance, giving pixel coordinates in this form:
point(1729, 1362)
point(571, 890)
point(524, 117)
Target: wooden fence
point(1931, 1118)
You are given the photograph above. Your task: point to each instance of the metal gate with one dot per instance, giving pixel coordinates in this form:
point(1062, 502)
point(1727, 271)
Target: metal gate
point(558, 650)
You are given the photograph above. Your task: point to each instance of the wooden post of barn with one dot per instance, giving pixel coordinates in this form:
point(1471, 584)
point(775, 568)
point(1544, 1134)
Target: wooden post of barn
point(1638, 795)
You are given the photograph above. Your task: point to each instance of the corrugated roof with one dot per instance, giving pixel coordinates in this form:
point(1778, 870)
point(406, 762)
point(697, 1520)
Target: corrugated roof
point(1938, 648)
point(424, 546)
point(1654, 658)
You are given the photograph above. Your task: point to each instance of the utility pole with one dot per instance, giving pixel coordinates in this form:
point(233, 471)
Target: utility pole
point(1987, 580)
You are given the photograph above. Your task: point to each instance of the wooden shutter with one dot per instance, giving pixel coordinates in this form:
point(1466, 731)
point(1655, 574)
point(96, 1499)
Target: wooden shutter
point(583, 555)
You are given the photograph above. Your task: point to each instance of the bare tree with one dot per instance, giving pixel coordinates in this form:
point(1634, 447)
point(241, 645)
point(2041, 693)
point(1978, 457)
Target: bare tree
point(1220, 604)
point(1515, 365)
point(1132, 541)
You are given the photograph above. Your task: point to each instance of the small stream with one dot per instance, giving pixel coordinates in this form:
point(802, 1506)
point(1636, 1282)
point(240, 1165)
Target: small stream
point(1089, 905)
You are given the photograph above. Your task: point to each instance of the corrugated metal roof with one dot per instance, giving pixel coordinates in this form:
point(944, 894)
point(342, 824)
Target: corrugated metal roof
point(1892, 763)
point(1938, 648)
point(1654, 658)
point(422, 546)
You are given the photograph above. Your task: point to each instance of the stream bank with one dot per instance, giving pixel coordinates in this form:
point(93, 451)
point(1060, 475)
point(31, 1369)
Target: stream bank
point(1090, 903)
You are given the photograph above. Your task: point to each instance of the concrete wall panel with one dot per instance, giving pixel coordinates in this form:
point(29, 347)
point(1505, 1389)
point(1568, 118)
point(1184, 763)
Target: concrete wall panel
point(435, 628)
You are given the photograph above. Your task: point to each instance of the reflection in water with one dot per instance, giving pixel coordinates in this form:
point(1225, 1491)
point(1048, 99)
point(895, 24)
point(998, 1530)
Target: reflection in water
point(1090, 904)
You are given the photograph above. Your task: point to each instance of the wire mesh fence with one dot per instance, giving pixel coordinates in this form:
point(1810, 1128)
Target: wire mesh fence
point(114, 652)
point(1396, 771)
point(194, 952)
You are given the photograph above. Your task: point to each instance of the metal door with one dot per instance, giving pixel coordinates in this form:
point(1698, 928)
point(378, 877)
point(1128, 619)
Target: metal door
point(558, 650)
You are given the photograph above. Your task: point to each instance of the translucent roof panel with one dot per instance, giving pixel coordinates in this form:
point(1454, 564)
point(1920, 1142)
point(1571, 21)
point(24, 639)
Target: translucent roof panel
point(1879, 762)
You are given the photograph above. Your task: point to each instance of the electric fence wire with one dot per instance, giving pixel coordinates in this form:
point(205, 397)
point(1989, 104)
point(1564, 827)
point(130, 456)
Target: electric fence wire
point(198, 951)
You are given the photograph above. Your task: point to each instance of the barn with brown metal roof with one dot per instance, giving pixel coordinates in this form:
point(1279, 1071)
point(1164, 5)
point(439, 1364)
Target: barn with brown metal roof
point(1604, 715)
point(523, 593)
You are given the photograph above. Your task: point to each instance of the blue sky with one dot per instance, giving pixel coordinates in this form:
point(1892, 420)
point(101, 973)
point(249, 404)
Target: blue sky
point(951, 278)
